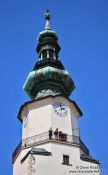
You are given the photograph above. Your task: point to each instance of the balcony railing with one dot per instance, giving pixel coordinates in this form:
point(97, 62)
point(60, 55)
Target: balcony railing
point(43, 137)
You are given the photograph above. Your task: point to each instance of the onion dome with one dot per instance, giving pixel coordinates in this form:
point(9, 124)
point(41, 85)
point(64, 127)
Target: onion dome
point(49, 76)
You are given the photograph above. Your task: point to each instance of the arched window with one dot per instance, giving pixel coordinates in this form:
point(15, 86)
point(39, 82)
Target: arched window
point(44, 54)
point(51, 53)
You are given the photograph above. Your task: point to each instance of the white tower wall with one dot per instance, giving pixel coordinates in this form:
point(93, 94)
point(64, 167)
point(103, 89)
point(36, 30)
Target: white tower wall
point(41, 117)
point(53, 164)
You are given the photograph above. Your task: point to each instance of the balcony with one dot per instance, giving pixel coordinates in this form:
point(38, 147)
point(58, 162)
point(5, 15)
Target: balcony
point(44, 137)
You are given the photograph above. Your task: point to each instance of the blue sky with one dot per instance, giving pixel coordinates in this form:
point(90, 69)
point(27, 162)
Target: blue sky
point(82, 27)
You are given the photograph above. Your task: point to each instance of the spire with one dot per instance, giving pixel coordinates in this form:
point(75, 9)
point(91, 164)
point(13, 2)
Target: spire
point(49, 76)
point(47, 18)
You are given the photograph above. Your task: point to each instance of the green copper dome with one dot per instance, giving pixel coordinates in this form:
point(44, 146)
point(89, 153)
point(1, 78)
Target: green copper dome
point(49, 76)
point(50, 81)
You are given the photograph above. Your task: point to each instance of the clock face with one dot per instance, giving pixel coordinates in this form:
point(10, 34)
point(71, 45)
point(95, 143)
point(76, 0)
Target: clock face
point(25, 118)
point(60, 109)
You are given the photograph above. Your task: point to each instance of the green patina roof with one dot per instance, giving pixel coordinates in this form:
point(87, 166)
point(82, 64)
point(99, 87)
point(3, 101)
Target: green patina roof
point(40, 151)
point(45, 75)
point(47, 33)
point(43, 71)
point(89, 158)
point(48, 77)
point(36, 151)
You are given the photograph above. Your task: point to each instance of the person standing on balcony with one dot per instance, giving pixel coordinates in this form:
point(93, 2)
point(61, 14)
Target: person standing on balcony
point(50, 133)
point(60, 135)
point(56, 133)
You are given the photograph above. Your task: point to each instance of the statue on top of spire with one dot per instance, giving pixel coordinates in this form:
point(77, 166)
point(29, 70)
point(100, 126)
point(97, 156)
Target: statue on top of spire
point(47, 15)
point(47, 18)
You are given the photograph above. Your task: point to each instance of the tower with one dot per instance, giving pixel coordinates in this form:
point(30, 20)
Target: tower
point(51, 142)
